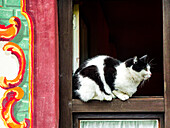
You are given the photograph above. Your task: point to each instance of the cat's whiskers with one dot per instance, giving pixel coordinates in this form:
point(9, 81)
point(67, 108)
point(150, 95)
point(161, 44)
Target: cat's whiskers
point(142, 84)
point(151, 62)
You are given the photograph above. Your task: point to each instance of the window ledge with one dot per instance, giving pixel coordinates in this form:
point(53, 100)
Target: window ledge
point(134, 104)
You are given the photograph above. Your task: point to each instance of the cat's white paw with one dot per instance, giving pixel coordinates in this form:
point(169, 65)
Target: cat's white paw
point(120, 95)
point(99, 96)
point(108, 97)
point(123, 97)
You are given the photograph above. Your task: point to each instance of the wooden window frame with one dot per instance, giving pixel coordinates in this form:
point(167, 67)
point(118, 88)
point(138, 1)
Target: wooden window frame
point(69, 106)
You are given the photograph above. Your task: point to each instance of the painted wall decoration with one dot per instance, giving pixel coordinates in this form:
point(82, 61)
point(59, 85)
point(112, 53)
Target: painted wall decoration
point(16, 65)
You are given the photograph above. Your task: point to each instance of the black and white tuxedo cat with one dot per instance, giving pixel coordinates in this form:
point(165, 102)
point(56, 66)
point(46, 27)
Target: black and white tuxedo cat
point(103, 78)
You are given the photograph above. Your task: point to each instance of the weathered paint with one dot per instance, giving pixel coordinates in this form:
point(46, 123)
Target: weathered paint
point(46, 76)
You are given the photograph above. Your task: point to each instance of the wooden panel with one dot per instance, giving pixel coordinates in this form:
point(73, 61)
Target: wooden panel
point(66, 47)
point(131, 105)
point(166, 40)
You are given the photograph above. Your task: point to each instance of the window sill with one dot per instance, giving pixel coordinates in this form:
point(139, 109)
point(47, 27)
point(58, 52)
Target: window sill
point(134, 104)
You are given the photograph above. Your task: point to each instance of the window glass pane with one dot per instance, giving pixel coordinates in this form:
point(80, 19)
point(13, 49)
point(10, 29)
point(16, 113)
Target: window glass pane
point(119, 124)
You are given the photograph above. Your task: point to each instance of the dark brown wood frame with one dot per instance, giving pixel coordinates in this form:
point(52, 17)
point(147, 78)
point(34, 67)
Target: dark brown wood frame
point(166, 46)
point(69, 106)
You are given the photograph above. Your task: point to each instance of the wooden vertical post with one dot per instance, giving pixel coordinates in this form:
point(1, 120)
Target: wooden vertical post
point(66, 54)
point(166, 48)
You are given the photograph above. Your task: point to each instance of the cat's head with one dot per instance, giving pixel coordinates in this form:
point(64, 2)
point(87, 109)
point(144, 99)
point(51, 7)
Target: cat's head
point(139, 66)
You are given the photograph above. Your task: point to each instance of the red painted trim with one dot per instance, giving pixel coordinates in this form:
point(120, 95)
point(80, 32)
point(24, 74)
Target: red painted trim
point(46, 71)
point(5, 27)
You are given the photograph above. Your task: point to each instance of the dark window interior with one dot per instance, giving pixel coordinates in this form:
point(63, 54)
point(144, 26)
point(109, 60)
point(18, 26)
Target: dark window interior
point(124, 29)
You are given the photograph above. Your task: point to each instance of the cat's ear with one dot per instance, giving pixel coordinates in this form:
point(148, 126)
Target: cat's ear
point(144, 58)
point(135, 60)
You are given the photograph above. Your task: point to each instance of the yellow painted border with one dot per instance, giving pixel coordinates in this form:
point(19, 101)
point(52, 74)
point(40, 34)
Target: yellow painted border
point(31, 58)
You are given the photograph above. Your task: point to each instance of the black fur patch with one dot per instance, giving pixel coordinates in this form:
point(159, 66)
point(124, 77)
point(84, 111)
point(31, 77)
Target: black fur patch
point(138, 66)
point(110, 71)
point(92, 73)
point(81, 67)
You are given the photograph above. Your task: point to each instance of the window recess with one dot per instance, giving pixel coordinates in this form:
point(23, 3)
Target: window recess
point(121, 29)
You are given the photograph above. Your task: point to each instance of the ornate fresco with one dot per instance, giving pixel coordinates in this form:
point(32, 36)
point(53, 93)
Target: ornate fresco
point(16, 65)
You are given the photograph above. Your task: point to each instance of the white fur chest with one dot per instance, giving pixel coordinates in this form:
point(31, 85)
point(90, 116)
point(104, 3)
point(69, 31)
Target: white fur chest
point(125, 81)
